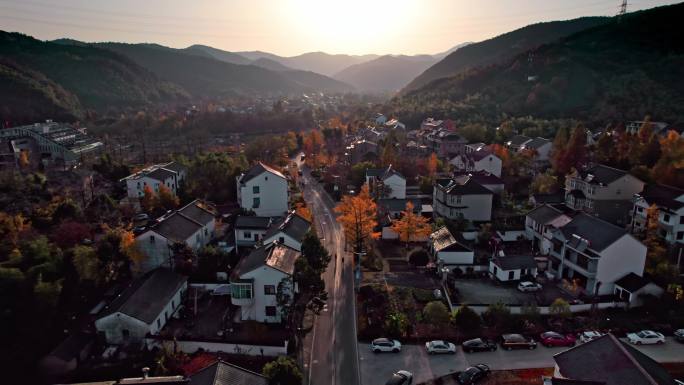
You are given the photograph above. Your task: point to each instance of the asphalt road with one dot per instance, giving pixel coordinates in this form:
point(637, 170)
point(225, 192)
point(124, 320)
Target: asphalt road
point(334, 355)
point(377, 368)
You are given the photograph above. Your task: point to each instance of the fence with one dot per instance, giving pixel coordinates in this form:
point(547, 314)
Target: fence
point(517, 309)
point(212, 346)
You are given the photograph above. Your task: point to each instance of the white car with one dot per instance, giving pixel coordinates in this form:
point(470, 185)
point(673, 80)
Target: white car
point(385, 345)
point(589, 335)
point(402, 377)
point(646, 337)
point(439, 346)
point(527, 286)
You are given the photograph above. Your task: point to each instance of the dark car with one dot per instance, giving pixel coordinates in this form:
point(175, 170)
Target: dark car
point(679, 335)
point(478, 345)
point(401, 377)
point(517, 341)
point(549, 339)
point(473, 374)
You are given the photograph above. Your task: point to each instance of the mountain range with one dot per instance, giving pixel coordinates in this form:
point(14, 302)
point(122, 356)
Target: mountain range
point(622, 68)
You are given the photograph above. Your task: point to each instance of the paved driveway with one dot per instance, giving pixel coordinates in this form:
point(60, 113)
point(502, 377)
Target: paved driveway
point(377, 368)
point(485, 291)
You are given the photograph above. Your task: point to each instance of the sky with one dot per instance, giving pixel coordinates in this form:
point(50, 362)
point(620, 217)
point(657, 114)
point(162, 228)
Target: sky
point(292, 27)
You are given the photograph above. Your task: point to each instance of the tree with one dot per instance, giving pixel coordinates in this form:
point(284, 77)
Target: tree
point(396, 324)
point(411, 226)
point(466, 319)
point(560, 308)
point(24, 161)
point(571, 154)
point(560, 142)
point(432, 165)
point(657, 262)
point(497, 314)
point(303, 211)
point(86, 263)
point(389, 155)
point(436, 313)
point(149, 200)
point(545, 183)
point(315, 253)
point(70, 233)
point(283, 371)
point(670, 167)
point(357, 215)
point(167, 199)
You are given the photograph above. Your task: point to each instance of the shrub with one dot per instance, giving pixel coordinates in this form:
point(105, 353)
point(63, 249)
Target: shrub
point(436, 313)
point(466, 319)
point(560, 308)
point(396, 324)
point(283, 371)
point(422, 295)
point(419, 258)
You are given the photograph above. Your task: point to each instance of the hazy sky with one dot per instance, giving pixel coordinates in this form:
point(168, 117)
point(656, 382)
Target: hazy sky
point(291, 27)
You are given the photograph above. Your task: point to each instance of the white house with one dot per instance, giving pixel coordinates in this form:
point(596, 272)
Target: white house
point(289, 231)
point(380, 119)
point(481, 160)
point(603, 191)
point(193, 226)
point(489, 181)
point(386, 182)
point(263, 190)
point(462, 198)
point(670, 203)
point(144, 307)
point(517, 142)
point(512, 267)
point(591, 254)
point(632, 287)
point(256, 279)
point(540, 147)
point(539, 224)
point(444, 247)
point(250, 229)
point(170, 175)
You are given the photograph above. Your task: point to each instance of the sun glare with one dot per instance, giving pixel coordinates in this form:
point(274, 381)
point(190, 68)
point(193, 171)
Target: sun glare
point(350, 25)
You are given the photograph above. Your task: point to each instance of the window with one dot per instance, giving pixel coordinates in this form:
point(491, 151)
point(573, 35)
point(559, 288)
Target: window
point(151, 238)
point(255, 189)
point(458, 199)
point(680, 235)
point(511, 274)
point(269, 289)
point(640, 209)
point(247, 234)
point(681, 220)
point(241, 291)
point(173, 304)
point(256, 203)
point(158, 323)
point(617, 192)
point(281, 239)
point(270, 311)
point(666, 218)
point(495, 270)
point(125, 333)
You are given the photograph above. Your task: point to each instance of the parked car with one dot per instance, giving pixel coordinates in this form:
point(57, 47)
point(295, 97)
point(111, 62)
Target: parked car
point(679, 335)
point(473, 374)
point(141, 217)
point(401, 377)
point(478, 345)
point(385, 345)
point(439, 346)
point(646, 337)
point(527, 286)
point(517, 341)
point(589, 335)
point(549, 339)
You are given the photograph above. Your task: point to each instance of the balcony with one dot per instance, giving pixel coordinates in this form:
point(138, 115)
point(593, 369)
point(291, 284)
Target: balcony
point(242, 292)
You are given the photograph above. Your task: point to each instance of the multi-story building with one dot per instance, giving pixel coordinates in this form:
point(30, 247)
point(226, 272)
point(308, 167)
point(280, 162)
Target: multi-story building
point(386, 183)
point(540, 223)
point(603, 191)
point(264, 190)
point(481, 160)
point(170, 174)
point(462, 198)
point(289, 231)
point(670, 204)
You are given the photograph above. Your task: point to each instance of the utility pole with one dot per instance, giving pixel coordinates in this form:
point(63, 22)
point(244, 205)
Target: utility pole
point(622, 9)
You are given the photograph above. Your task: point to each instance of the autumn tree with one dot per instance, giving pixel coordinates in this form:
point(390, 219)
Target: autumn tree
point(411, 226)
point(657, 262)
point(670, 167)
point(167, 199)
point(86, 263)
point(303, 211)
point(432, 165)
point(545, 183)
point(149, 201)
point(24, 161)
point(572, 154)
point(389, 155)
point(357, 214)
point(313, 145)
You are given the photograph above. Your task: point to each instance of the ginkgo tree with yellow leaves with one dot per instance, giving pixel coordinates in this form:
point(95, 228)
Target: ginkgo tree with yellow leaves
point(411, 227)
point(357, 215)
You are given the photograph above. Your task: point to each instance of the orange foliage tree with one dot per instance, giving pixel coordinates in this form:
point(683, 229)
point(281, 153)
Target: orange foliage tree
point(432, 165)
point(357, 215)
point(167, 199)
point(411, 226)
point(670, 167)
point(129, 248)
point(149, 200)
point(313, 146)
point(303, 211)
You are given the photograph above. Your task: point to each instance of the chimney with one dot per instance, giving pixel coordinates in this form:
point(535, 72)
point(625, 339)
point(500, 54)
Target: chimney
point(145, 372)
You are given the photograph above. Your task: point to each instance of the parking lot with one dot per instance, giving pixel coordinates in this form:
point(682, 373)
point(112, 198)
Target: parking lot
point(377, 368)
point(487, 291)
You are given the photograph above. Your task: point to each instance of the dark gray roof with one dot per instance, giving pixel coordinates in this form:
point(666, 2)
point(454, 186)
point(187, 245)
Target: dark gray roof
point(443, 240)
point(632, 282)
point(198, 212)
point(519, 140)
point(396, 204)
point(252, 222)
point(544, 214)
point(161, 174)
point(481, 177)
point(536, 143)
point(663, 196)
point(612, 362)
point(601, 174)
point(479, 155)
point(294, 225)
point(277, 256)
point(514, 262)
point(146, 297)
point(599, 233)
point(464, 186)
point(223, 373)
point(382, 173)
point(549, 198)
point(257, 170)
point(174, 166)
point(73, 346)
point(176, 227)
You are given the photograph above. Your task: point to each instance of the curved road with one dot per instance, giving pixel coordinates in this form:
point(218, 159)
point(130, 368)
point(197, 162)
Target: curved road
point(334, 350)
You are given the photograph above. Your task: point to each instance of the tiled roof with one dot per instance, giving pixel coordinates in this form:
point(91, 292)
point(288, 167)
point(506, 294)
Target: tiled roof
point(443, 240)
point(632, 282)
point(223, 373)
point(599, 233)
point(146, 297)
point(463, 186)
point(176, 227)
point(480, 154)
point(663, 196)
point(519, 140)
point(396, 204)
point(161, 174)
point(611, 361)
point(536, 143)
point(294, 225)
point(544, 214)
point(514, 262)
point(601, 174)
point(257, 170)
point(198, 212)
point(275, 255)
point(481, 177)
point(252, 222)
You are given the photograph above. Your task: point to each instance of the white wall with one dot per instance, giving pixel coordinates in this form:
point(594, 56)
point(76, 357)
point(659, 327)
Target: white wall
point(287, 240)
point(158, 253)
point(490, 163)
point(254, 236)
point(256, 311)
point(273, 195)
point(397, 186)
point(114, 324)
point(476, 207)
point(626, 255)
point(191, 347)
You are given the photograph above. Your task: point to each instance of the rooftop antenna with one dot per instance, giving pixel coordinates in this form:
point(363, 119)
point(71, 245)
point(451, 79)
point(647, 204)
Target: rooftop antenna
point(623, 9)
